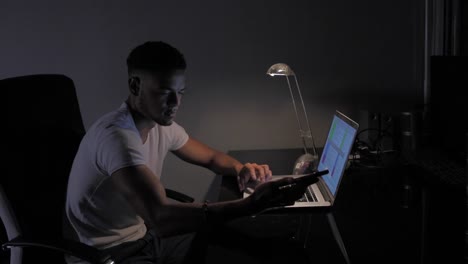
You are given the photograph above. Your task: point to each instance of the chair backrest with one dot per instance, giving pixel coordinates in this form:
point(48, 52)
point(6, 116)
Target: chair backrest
point(43, 128)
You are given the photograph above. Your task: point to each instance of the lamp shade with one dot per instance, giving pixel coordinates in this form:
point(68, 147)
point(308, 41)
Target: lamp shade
point(280, 69)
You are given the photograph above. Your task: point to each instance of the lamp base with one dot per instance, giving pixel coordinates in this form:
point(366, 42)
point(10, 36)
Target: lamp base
point(306, 163)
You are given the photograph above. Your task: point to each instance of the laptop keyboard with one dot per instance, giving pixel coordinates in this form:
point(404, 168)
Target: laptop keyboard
point(309, 196)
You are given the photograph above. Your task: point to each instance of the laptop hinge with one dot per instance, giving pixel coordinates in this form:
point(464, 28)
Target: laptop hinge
point(324, 190)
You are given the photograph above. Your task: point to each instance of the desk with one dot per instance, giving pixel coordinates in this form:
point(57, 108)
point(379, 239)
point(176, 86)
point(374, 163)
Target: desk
point(385, 215)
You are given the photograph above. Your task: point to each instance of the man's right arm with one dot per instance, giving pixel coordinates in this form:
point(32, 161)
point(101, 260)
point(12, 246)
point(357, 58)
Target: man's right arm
point(146, 194)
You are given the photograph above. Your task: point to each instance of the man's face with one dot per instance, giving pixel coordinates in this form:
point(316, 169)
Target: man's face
point(160, 95)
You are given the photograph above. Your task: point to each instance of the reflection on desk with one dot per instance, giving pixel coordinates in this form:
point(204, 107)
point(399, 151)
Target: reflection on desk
point(386, 215)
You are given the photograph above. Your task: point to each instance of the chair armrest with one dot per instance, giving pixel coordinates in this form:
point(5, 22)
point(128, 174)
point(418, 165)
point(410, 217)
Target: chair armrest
point(179, 196)
point(65, 246)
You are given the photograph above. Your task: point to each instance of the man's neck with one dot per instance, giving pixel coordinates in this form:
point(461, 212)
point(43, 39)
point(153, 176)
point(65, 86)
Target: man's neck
point(143, 124)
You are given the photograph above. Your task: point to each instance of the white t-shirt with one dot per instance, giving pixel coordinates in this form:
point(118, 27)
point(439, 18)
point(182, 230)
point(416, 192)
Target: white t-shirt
point(100, 215)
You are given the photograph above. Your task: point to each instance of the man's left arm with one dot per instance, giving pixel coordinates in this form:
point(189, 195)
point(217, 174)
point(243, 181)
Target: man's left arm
point(196, 152)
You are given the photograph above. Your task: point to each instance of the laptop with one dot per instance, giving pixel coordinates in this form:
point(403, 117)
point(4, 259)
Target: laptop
point(334, 158)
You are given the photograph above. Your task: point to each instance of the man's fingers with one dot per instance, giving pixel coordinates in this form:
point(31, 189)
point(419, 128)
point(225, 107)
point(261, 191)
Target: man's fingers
point(268, 173)
point(261, 173)
point(253, 172)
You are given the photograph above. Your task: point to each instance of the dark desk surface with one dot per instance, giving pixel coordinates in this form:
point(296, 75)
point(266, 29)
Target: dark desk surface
point(385, 215)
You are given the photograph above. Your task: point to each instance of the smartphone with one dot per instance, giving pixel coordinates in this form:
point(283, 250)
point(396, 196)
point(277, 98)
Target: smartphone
point(310, 178)
point(306, 179)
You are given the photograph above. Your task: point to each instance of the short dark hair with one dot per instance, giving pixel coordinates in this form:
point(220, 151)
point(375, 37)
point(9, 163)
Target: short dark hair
point(156, 56)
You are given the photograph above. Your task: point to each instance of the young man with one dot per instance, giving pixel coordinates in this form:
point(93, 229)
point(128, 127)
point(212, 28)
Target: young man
point(115, 200)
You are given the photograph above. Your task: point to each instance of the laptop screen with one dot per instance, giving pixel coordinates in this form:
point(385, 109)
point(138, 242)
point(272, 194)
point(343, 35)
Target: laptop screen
point(337, 149)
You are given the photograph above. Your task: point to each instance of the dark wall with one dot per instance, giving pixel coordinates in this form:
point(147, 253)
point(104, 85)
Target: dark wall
point(348, 55)
point(449, 111)
point(464, 28)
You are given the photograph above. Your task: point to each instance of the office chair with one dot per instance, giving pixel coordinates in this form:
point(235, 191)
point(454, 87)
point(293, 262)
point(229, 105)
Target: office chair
point(43, 128)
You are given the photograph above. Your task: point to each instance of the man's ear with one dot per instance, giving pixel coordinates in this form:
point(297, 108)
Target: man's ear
point(134, 84)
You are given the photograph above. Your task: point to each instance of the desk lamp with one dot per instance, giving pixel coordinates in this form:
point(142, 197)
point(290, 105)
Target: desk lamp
point(306, 162)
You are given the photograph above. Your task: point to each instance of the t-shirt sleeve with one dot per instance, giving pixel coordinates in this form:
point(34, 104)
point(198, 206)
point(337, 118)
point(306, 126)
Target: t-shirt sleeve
point(177, 136)
point(119, 148)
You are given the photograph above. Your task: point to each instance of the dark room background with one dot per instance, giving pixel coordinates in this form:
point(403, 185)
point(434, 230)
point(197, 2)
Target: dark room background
point(348, 55)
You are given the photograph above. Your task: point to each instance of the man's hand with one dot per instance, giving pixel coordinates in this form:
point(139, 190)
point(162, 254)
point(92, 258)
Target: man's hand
point(253, 172)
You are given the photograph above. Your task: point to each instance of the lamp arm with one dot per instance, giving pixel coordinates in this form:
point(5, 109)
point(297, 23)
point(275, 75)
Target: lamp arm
point(305, 114)
point(297, 116)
